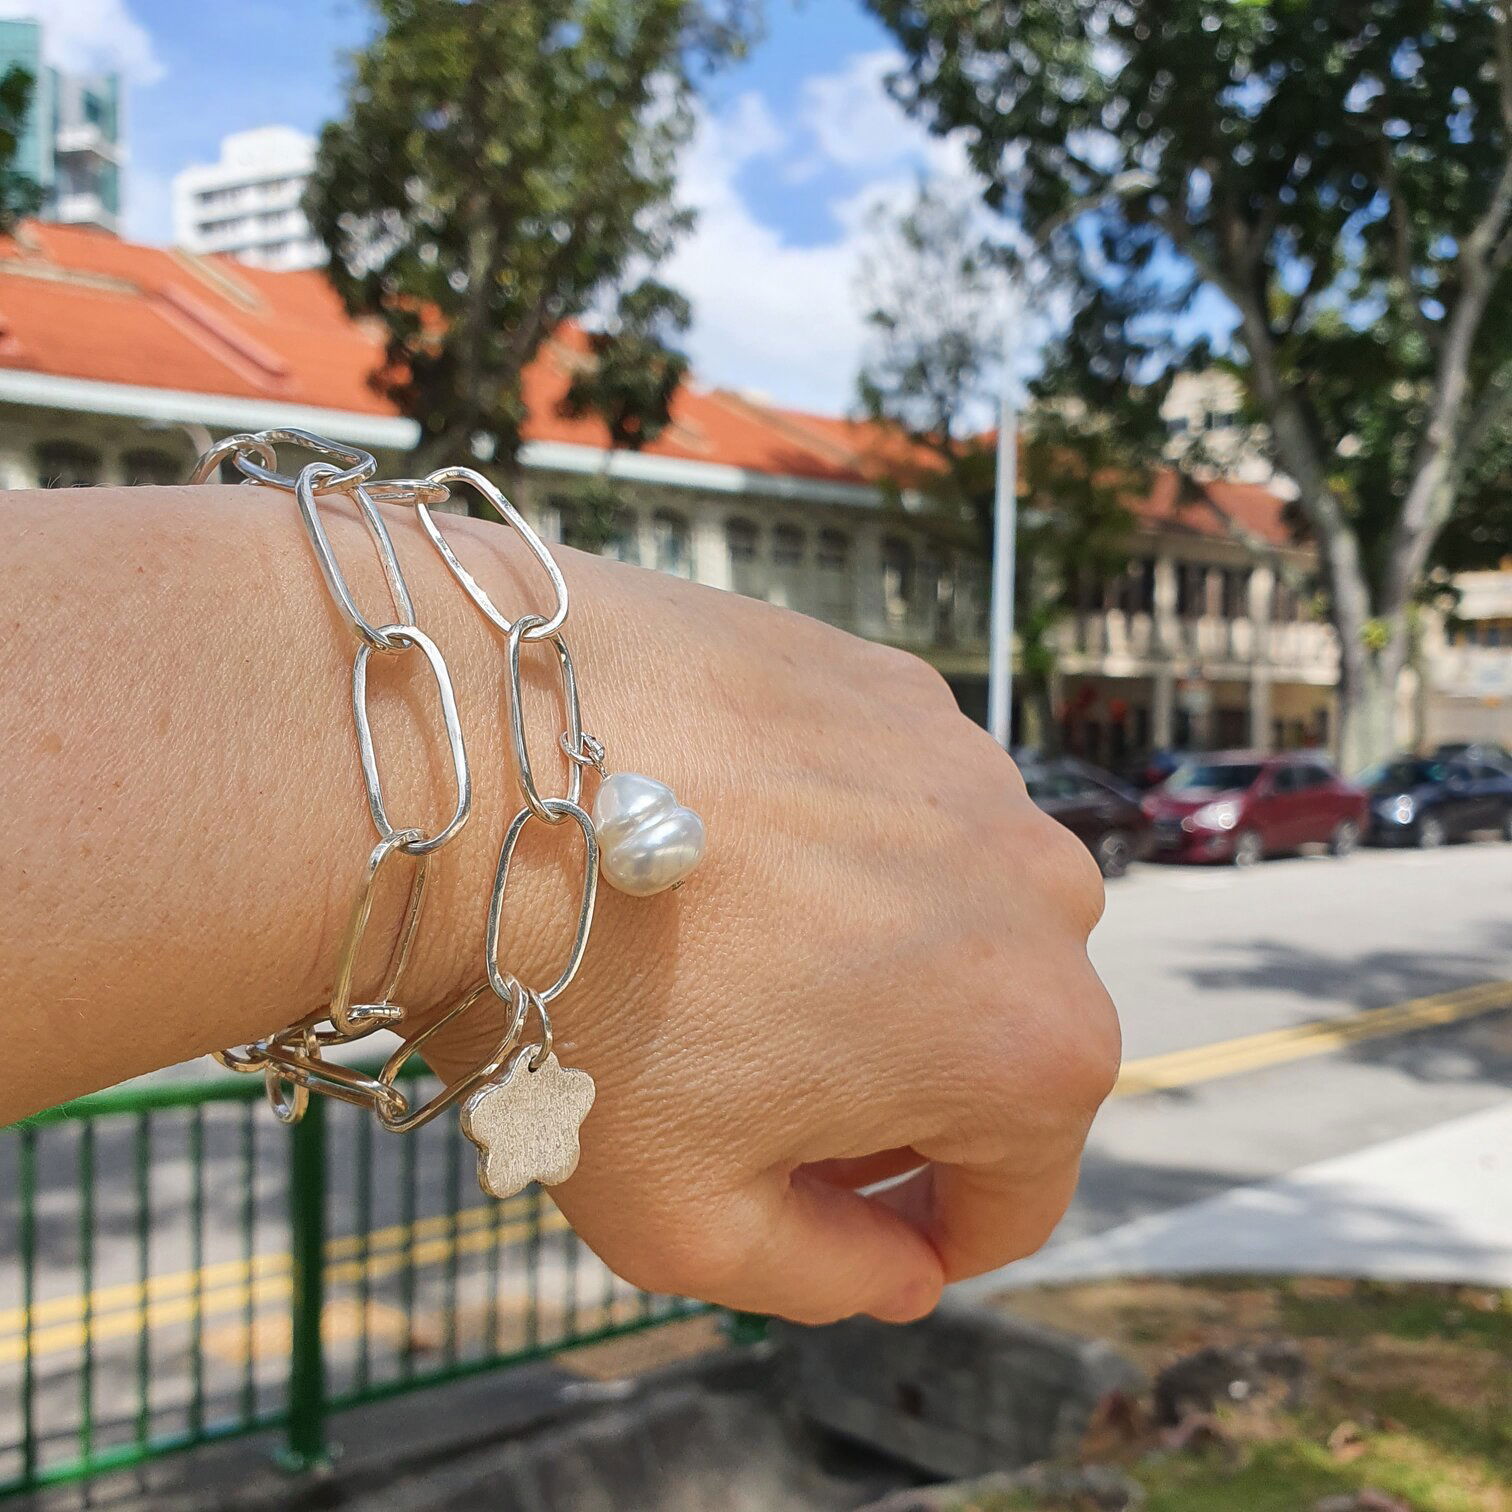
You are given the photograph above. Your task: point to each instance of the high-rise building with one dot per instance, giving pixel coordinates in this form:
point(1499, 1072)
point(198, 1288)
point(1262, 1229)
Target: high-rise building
point(71, 139)
point(248, 203)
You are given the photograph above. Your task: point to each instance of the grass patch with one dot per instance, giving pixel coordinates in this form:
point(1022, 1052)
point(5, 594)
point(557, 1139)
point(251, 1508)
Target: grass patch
point(1407, 1390)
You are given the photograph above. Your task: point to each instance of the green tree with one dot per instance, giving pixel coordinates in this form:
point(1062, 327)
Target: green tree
point(1339, 171)
point(934, 294)
point(500, 168)
point(20, 195)
point(633, 372)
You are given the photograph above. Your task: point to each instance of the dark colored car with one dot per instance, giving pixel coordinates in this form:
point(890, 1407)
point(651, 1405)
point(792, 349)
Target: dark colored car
point(1239, 807)
point(1485, 751)
point(1095, 807)
point(1417, 800)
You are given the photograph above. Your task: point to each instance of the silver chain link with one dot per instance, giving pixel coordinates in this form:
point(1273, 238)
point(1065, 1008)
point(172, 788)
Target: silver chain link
point(292, 1061)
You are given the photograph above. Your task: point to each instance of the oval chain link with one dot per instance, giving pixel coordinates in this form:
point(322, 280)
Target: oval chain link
point(516, 522)
point(502, 981)
point(572, 737)
point(330, 568)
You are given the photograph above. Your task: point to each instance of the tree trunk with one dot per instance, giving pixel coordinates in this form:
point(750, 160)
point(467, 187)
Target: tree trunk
point(1042, 710)
point(1368, 685)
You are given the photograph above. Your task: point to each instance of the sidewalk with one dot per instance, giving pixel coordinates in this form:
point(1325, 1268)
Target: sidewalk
point(1433, 1206)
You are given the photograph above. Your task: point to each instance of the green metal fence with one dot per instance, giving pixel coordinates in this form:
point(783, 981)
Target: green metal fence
point(176, 1268)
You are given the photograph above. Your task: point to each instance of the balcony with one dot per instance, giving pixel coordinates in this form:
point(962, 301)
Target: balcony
point(86, 139)
point(1119, 644)
point(1472, 671)
point(84, 208)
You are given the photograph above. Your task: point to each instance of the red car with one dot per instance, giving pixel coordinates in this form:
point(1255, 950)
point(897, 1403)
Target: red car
point(1237, 806)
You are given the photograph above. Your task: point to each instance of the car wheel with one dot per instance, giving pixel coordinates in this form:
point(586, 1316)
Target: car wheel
point(1249, 848)
point(1430, 832)
point(1114, 851)
point(1345, 838)
point(1506, 825)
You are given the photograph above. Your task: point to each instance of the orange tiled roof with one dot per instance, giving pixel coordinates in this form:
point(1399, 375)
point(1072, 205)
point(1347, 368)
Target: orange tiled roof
point(79, 303)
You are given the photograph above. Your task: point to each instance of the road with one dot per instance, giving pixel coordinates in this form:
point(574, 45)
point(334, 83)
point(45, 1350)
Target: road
point(1203, 956)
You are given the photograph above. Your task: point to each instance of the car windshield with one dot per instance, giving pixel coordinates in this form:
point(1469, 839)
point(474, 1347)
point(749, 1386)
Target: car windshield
point(1393, 776)
point(1212, 776)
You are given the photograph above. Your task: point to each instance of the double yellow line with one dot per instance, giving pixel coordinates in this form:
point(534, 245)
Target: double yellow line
point(1183, 1068)
point(234, 1286)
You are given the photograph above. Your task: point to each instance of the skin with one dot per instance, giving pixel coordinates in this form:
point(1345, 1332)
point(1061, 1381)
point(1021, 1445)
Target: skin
point(879, 968)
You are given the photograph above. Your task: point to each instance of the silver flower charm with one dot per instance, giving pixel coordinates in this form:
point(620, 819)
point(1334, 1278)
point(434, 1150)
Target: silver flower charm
point(526, 1124)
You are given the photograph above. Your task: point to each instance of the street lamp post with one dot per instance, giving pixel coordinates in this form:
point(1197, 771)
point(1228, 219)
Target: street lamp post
point(1005, 499)
point(1004, 546)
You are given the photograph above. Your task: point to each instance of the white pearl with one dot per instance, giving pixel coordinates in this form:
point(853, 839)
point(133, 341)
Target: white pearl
point(647, 840)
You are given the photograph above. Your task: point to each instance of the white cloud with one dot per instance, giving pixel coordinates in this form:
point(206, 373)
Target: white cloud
point(91, 36)
point(772, 315)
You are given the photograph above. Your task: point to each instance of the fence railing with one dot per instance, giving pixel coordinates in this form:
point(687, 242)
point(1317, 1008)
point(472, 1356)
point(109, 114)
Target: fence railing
point(176, 1268)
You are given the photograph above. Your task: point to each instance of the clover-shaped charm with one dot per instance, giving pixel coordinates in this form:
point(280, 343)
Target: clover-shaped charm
point(526, 1124)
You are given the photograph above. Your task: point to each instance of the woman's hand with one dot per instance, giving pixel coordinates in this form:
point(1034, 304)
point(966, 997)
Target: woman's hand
point(880, 963)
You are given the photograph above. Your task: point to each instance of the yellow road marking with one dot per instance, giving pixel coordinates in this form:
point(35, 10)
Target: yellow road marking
point(269, 1284)
point(132, 1294)
point(115, 1311)
point(1181, 1068)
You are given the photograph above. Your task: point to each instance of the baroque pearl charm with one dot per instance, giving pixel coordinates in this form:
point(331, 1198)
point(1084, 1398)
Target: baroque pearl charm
point(648, 841)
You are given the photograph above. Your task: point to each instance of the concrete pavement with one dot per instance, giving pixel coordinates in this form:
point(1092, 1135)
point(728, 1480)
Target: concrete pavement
point(1432, 1206)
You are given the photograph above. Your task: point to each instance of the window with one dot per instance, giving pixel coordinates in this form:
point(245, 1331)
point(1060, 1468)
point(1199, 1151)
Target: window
point(834, 551)
point(669, 535)
point(151, 467)
point(1236, 582)
point(66, 464)
point(1136, 587)
point(740, 537)
point(742, 542)
point(898, 573)
point(585, 530)
point(1191, 589)
point(787, 546)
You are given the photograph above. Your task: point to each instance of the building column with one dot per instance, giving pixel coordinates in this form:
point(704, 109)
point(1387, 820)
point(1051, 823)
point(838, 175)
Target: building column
point(1163, 621)
point(1164, 644)
point(1163, 707)
point(869, 598)
point(1261, 590)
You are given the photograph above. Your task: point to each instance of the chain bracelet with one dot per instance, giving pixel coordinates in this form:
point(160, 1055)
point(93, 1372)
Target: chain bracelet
point(519, 1106)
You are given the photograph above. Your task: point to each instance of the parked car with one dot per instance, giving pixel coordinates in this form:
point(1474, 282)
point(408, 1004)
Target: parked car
point(1097, 808)
point(1239, 807)
point(1417, 800)
point(1484, 751)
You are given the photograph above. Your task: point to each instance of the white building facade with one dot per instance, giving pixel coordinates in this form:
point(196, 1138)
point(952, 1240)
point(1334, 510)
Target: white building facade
point(248, 204)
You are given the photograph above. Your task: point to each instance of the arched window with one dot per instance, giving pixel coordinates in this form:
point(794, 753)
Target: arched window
point(788, 545)
point(67, 464)
point(899, 575)
point(789, 552)
point(148, 466)
point(836, 586)
point(742, 541)
point(669, 534)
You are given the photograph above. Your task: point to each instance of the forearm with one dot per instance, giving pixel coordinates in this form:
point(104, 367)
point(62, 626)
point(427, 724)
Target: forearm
point(182, 820)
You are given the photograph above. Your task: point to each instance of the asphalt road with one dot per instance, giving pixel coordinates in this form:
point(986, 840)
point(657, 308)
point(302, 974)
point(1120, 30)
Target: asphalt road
point(1196, 956)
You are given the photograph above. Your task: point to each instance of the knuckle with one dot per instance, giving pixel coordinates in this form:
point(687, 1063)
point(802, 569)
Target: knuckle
point(913, 675)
